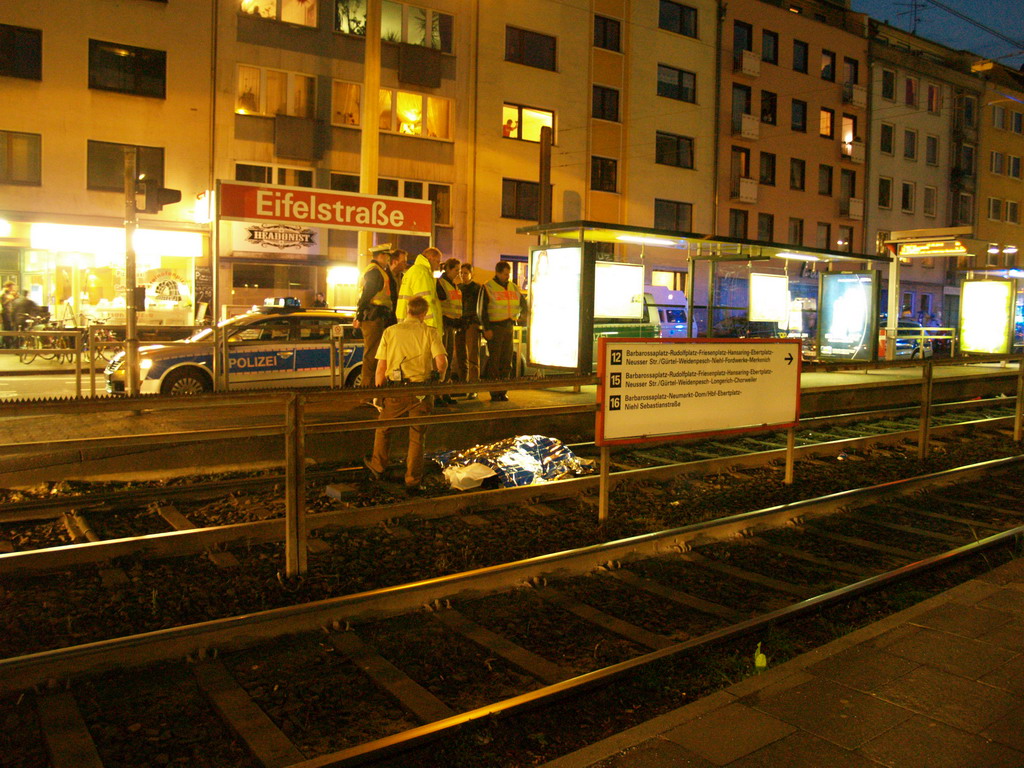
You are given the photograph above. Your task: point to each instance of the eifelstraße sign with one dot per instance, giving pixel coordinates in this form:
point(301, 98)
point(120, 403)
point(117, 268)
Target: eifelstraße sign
point(268, 204)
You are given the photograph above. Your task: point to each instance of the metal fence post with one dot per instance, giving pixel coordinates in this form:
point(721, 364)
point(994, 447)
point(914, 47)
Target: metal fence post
point(78, 364)
point(295, 486)
point(1018, 415)
point(926, 410)
point(602, 494)
point(790, 448)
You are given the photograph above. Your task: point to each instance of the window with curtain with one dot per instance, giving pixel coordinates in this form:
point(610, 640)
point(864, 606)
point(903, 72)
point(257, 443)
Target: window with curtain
point(345, 103)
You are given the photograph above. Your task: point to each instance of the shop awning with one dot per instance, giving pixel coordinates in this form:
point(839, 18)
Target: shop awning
point(703, 247)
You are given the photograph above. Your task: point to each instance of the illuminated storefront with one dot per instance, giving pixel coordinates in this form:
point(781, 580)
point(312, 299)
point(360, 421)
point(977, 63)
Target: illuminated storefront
point(78, 272)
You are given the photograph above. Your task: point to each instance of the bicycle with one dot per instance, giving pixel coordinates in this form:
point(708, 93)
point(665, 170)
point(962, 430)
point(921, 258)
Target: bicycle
point(34, 346)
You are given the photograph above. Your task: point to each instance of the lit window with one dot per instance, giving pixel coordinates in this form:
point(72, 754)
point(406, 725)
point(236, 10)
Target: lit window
point(345, 103)
point(272, 92)
point(301, 12)
point(404, 112)
point(827, 123)
point(399, 23)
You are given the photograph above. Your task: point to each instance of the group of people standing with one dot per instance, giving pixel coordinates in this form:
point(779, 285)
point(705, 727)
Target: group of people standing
point(16, 310)
point(418, 328)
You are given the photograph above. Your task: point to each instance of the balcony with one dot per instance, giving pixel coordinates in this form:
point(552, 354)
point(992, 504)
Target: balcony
point(853, 150)
point(747, 63)
point(852, 208)
point(744, 190)
point(857, 95)
point(746, 126)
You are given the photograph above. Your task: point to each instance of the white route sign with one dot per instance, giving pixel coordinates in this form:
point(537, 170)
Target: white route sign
point(657, 389)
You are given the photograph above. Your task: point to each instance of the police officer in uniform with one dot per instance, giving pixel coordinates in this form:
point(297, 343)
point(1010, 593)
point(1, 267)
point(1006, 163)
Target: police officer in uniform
point(449, 294)
point(375, 309)
point(418, 280)
point(409, 352)
point(500, 305)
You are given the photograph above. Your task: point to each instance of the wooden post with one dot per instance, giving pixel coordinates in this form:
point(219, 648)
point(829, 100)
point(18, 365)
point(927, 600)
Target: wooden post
point(295, 487)
point(790, 448)
point(1018, 416)
point(602, 496)
point(926, 410)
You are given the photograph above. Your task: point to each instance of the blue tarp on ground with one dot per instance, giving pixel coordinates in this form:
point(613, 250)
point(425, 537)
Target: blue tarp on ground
point(520, 460)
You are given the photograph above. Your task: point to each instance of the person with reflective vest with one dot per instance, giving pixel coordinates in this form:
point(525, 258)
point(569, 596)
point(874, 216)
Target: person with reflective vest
point(449, 295)
point(374, 309)
point(419, 281)
point(500, 304)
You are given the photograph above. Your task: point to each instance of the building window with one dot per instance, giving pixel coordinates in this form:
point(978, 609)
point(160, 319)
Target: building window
point(967, 159)
point(851, 71)
point(21, 52)
point(886, 138)
point(827, 123)
point(677, 84)
point(766, 227)
point(799, 115)
point(907, 197)
point(742, 40)
point(345, 104)
point(931, 150)
point(606, 104)
point(671, 149)
point(607, 33)
point(105, 162)
point(21, 159)
point(888, 85)
point(824, 238)
point(769, 47)
point(604, 174)
point(884, 192)
point(399, 23)
point(910, 92)
point(996, 162)
point(928, 204)
point(796, 232)
point(737, 223)
point(678, 18)
point(524, 123)
point(767, 169)
point(271, 92)
point(126, 69)
point(1013, 166)
point(768, 104)
point(825, 180)
point(404, 112)
point(995, 209)
point(1018, 122)
point(520, 199)
point(530, 48)
point(801, 56)
point(998, 117)
point(969, 110)
point(673, 215)
point(934, 98)
point(910, 144)
point(828, 66)
point(844, 242)
point(344, 182)
point(1013, 211)
point(289, 11)
point(965, 208)
point(282, 175)
point(797, 173)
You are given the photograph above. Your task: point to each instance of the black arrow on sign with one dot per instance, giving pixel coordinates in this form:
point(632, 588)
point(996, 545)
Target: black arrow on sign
point(789, 359)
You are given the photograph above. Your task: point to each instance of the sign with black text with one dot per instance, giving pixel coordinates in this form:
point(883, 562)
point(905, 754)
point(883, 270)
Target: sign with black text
point(661, 389)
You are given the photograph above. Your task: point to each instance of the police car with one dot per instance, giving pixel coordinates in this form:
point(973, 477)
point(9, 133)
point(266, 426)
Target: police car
point(277, 345)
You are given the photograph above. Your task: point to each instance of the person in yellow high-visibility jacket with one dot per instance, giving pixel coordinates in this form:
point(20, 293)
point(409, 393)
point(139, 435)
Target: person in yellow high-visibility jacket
point(419, 281)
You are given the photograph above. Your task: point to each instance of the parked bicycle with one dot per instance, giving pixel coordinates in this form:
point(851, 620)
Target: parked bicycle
point(57, 347)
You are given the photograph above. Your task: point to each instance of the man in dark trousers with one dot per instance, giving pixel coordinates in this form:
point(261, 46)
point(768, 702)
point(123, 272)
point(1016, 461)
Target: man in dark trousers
point(500, 305)
point(467, 341)
point(410, 352)
point(375, 309)
point(449, 295)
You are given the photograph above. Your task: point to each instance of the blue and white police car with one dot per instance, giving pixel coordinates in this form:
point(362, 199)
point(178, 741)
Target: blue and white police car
point(269, 346)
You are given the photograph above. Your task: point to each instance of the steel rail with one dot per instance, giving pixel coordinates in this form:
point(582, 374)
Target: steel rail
point(233, 633)
point(198, 540)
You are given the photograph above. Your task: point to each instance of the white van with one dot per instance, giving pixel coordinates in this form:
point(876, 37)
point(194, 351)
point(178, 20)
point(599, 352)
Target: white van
point(671, 307)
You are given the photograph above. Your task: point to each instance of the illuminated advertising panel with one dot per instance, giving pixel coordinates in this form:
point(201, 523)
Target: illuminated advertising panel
point(848, 316)
point(556, 277)
point(618, 290)
point(986, 312)
point(769, 299)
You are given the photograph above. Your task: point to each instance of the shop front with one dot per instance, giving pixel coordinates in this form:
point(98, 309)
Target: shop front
point(78, 272)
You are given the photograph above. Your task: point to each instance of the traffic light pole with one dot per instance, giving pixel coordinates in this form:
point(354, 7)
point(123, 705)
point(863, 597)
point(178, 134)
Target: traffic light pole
point(131, 360)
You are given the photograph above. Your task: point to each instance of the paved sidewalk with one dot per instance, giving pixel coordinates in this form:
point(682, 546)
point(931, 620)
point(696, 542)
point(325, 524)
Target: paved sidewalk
point(939, 685)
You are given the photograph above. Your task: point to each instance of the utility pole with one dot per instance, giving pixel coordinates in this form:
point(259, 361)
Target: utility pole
point(369, 117)
point(544, 202)
point(131, 360)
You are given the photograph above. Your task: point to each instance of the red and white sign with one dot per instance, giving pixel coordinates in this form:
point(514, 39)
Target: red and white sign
point(241, 201)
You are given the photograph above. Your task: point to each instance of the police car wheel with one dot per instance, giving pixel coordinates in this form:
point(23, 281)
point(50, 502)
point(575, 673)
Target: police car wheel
point(186, 381)
point(355, 378)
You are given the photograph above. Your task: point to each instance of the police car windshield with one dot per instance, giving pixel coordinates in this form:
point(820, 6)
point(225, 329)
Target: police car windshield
point(204, 333)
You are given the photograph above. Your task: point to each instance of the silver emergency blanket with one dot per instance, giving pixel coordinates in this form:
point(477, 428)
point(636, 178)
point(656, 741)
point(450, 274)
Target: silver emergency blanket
point(520, 460)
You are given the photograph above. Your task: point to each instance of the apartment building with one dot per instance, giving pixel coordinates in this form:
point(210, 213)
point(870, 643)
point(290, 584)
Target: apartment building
point(1000, 187)
point(132, 75)
point(922, 156)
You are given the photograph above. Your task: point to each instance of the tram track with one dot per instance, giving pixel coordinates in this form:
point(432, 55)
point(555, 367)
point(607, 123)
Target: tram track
point(163, 531)
point(544, 628)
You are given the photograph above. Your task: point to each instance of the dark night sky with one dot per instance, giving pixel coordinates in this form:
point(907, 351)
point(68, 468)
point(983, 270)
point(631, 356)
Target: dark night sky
point(935, 23)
